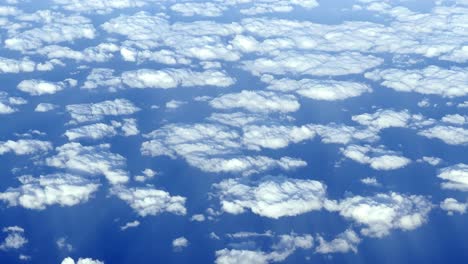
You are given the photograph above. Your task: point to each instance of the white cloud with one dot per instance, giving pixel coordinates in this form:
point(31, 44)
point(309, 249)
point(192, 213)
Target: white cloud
point(174, 104)
point(377, 158)
point(128, 225)
point(24, 146)
point(271, 197)
point(327, 90)
point(198, 218)
point(147, 174)
point(40, 87)
point(171, 78)
point(371, 181)
point(237, 119)
point(448, 134)
point(285, 247)
point(94, 160)
point(257, 101)
point(275, 137)
point(180, 243)
point(158, 79)
point(451, 205)
point(49, 27)
point(343, 243)
point(69, 260)
point(456, 177)
point(100, 53)
point(100, 6)
point(16, 66)
point(62, 244)
point(94, 131)
point(383, 212)
point(97, 111)
point(455, 119)
point(319, 64)
point(53, 189)
point(15, 238)
point(45, 107)
point(207, 9)
point(433, 161)
point(430, 80)
point(148, 201)
point(211, 148)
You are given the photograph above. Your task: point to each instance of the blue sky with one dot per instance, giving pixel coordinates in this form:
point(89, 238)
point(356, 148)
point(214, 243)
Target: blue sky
point(229, 131)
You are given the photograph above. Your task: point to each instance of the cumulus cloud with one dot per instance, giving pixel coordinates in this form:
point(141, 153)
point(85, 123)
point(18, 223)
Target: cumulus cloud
point(7, 103)
point(128, 225)
point(448, 134)
point(40, 87)
point(180, 243)
point(280, 251)
point(93, 160)
point(69, 260)
point(100, 6)
point(430, 80)
point(456, 177)
point(275, 137)
point(16, 66)
point(455, 119)
point(327, 90)
point(377, 158)
point(212, 148)
point(101, 130)
point(25, 146)
point(271, 197)
point(319, 64)
point(100, 53)
point(45, 107)
point(47, 190)
point(257, 101)
point(451, 205)
point(15, 238)
point(97, 111)
point(207, 9)
point(382, 213)
point(49, 27)
point(343, 243)
point(149, 201)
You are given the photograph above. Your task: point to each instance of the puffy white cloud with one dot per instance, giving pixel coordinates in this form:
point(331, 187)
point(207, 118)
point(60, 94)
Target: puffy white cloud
point(434, 161)
point(24, 146)
point(286, 246)
point(94, 160)
point(211, 148)
point(100, 53)
point(174, 104)
point(16, 66)
point(383, 212)
point(271, 197)
point(371, 181)
point(451, 205)
point(40, 87)
point(147, 174)
point(377, 158)
point(171, 78)
point(448, 134)
point(257, 101)
point(179, 243)
point(149, 201)
point(45, 107)
point(207, 9)
point(69, 260)
point(430, 80)
point(49, 27)
point(343, 243)
point(94, 131)
point(319, 64)
point(455, 119)
point(100, 6)
point(456, 177)
point(15, 238)
point(128, 225)
point(275, 137)
point(158, 79)
point(327, 90)
point(53, 189)
point(197, 218)
point(97, 111)
point(382, 119)
point(62, 244)
point(237, 119)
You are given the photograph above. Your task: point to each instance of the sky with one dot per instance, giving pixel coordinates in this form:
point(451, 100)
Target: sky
point(233, 131)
